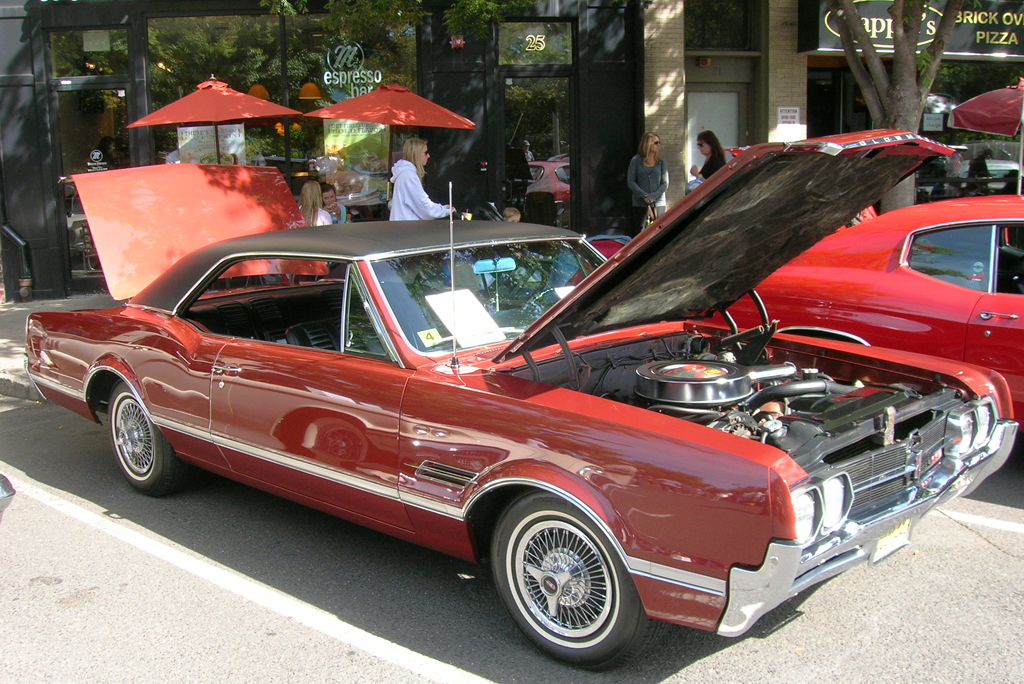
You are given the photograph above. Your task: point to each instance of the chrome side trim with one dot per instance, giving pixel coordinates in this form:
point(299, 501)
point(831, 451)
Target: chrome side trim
point(430, 505)
point(685, 578)
point(305, 465)
point(848, 337)
point(190, 430)
point(55, 386)
point(445, 474)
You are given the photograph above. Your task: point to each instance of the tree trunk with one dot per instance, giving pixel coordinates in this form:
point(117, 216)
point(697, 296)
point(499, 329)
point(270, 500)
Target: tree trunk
point(900, 196)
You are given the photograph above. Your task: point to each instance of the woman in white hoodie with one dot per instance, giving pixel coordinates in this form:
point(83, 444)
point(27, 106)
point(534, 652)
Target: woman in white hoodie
point(409, 201)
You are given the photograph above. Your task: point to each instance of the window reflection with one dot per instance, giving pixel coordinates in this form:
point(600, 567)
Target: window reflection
point(718, 24)
point(89, 53)
point(960, 256)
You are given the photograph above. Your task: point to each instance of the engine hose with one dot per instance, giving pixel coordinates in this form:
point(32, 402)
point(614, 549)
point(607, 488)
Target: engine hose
point(792, 389)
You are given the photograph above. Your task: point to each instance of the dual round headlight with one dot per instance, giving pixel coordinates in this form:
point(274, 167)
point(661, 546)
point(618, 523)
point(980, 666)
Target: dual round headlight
point(969, 427)
point(822, 508)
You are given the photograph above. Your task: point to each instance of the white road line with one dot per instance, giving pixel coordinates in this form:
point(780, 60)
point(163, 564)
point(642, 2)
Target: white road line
point(985, 522)
point(260, 594)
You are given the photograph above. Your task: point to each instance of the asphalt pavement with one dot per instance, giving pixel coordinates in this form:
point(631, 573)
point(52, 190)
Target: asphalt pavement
point(13, 380)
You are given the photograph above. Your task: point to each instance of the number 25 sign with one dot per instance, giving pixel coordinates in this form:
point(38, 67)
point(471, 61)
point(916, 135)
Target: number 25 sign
point(535, 43)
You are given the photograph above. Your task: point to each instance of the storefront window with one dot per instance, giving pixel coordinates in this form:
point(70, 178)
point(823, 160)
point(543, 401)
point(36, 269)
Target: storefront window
point(717, 24)
point(534, 43)
point(241, 51)
point(89, 53)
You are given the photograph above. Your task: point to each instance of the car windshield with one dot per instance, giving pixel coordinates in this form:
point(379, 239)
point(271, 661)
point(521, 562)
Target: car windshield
point(499, 290)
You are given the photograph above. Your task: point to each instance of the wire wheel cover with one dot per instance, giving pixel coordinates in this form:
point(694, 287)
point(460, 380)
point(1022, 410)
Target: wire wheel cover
point(562, 578)
point(134, 437)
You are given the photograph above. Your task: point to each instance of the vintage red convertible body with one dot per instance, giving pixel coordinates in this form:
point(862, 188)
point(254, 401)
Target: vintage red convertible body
point(612, 457)
point(946, 278)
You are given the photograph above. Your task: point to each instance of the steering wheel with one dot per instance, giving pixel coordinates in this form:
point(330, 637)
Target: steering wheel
point(540, 295)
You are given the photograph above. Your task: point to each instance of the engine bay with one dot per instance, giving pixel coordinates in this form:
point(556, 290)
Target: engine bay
point(884, 430)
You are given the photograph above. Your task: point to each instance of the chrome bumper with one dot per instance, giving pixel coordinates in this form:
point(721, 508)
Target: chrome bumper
point(789, 568)
point(6, 494)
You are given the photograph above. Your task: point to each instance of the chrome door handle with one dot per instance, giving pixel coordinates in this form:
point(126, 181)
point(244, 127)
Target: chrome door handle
point(219, 369)
point(987, 315)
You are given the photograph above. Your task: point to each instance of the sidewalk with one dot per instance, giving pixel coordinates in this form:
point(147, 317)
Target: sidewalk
point(13, 381)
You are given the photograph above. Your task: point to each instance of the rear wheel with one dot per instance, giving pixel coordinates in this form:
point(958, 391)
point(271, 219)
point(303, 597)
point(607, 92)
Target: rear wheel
point(564, 586)
point(145, 456)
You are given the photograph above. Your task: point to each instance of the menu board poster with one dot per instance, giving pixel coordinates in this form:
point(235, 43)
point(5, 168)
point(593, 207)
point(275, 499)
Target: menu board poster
point(196, 145)
point(356, 160)
point(363, 145)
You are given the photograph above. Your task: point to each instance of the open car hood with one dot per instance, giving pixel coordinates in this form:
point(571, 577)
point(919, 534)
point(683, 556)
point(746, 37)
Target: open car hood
point(764, 208)
point(144, 219)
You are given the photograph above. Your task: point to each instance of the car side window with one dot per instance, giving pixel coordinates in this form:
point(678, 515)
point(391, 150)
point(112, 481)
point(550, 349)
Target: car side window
point(959, 256)
point(361, 334)
point(286, 301)
point(1010, 277)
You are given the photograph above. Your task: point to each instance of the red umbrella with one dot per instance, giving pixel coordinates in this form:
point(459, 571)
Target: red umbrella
point(394, 105)
point(214, 102)
point(998, 112)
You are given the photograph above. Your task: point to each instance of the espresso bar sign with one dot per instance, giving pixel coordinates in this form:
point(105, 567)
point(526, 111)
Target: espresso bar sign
point(345, 68)
point(986, 27)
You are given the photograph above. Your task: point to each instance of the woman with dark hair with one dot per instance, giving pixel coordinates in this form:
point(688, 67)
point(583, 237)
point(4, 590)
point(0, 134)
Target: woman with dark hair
point(714, 155)
point(647, 178)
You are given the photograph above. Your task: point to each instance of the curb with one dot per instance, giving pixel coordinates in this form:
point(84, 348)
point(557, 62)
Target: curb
point(18, 386)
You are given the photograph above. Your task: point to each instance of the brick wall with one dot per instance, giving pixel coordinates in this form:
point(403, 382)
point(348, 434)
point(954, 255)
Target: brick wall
point(664, 88)
point(787, 72)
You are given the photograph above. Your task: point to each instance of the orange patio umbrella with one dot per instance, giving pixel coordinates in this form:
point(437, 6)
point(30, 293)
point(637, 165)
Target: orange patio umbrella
point(394, 105)
point(213, 102)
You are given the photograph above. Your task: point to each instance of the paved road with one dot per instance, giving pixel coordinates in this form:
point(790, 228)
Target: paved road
point(226, 584)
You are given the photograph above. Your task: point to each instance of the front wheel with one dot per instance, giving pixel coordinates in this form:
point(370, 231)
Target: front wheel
point(145, 456)
point(564, 586)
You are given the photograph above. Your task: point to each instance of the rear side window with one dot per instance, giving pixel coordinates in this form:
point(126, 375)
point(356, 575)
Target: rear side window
point(959, 256)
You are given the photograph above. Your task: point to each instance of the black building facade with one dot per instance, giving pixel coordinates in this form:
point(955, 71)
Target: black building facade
point(566, 76)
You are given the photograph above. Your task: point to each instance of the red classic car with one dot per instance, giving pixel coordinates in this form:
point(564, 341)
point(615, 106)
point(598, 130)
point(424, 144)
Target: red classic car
point(550, 176)
point(615, 460)
point(945, 278)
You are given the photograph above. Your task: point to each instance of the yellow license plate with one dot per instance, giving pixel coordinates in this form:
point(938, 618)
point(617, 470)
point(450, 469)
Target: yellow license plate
point(896, 539)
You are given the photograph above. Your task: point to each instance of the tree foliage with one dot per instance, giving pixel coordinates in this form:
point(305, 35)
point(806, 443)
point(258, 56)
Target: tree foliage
point(895, 96)
point(363, 17)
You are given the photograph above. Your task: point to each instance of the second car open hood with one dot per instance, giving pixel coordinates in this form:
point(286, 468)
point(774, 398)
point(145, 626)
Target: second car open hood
point(764, 208)
point(144, 219)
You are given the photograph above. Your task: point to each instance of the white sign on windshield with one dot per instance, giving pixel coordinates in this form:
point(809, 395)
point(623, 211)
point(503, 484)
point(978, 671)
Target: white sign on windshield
point(466, 318)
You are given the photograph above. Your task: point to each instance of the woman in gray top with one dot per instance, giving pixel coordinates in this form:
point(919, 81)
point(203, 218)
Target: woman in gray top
point(648, 180)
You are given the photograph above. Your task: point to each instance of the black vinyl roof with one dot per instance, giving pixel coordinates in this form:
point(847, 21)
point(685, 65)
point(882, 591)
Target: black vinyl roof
point(343, 241)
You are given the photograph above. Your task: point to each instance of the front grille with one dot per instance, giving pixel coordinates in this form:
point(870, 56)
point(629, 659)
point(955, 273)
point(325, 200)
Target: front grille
point(877, 463)
point(876, 473)
point(880, 491)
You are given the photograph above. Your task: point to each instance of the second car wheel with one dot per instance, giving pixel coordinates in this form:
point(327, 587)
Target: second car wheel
point(146, 457)
point(565, 587)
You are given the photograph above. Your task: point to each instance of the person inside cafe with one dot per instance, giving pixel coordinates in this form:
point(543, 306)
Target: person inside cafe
point(311, 204)
point(409, 201)
point(331, 206)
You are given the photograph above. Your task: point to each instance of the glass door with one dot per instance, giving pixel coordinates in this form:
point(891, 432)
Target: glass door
point(89, 77)
point(536, 65)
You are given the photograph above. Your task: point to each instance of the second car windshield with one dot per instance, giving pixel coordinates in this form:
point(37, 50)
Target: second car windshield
point(499, 290)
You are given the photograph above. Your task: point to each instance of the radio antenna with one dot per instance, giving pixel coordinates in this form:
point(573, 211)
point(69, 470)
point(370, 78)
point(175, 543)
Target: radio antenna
point(451, 273)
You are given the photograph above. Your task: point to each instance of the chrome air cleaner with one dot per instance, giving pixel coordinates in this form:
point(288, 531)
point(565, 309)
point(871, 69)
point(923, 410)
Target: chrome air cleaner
point(704, 383)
